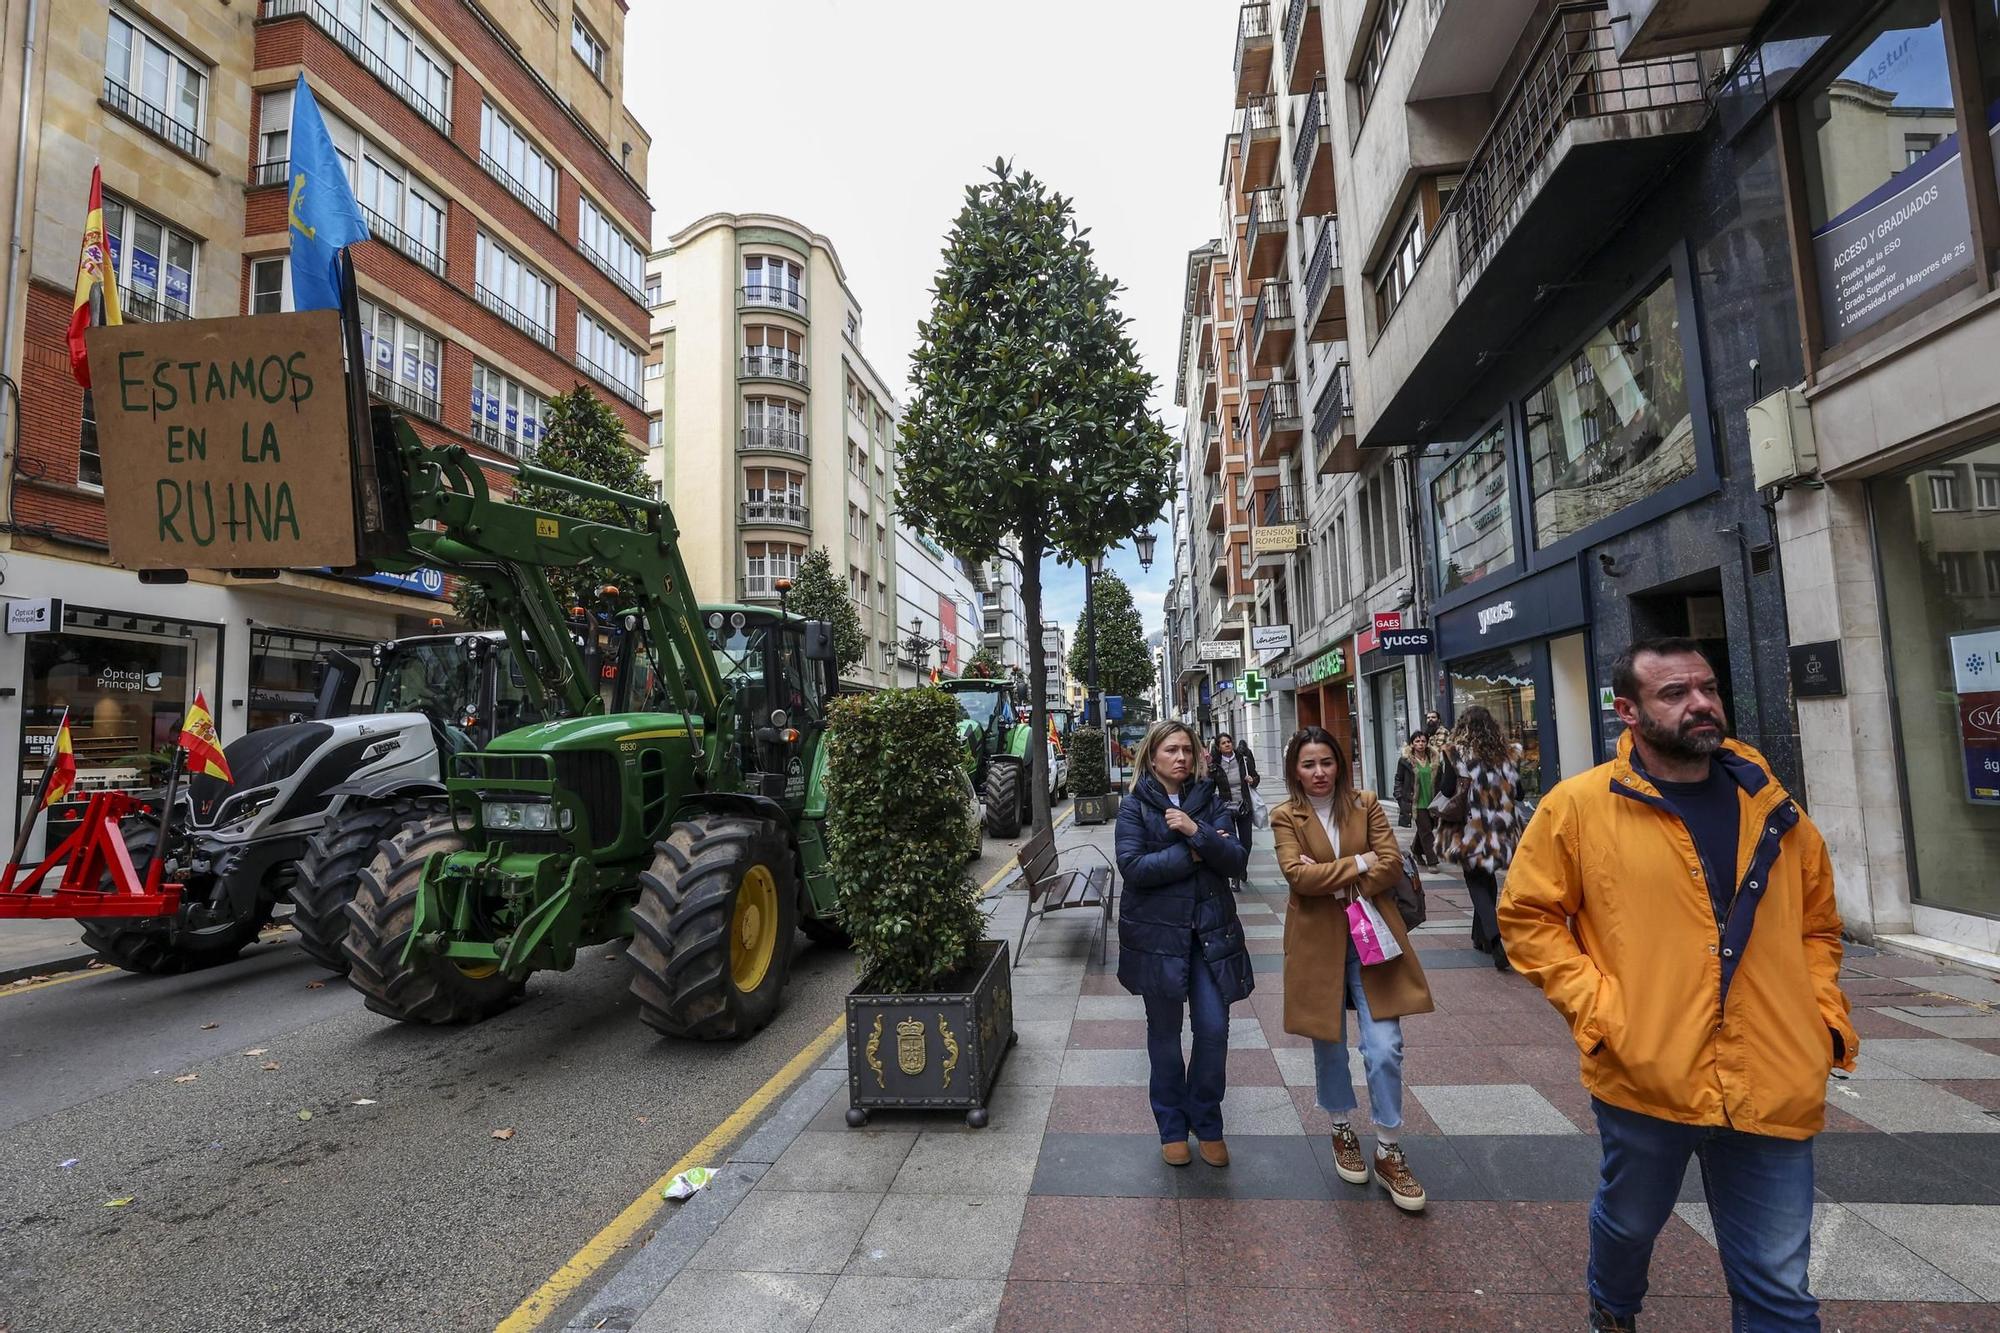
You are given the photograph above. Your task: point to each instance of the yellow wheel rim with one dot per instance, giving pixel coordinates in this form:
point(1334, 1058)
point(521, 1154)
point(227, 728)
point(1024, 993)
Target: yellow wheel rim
point(753, 929)
point(476, 971)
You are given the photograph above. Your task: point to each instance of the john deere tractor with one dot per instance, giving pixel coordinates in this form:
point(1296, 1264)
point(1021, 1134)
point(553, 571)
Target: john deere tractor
point(996, 735)
point(685, 812)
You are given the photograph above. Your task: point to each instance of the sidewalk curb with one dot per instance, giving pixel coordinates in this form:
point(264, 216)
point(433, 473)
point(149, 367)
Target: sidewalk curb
point(48, 967)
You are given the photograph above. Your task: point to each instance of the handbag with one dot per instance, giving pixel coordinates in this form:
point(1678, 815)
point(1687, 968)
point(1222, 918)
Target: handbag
point(1260, 810)
point(1409, 891)
point(1374, 942)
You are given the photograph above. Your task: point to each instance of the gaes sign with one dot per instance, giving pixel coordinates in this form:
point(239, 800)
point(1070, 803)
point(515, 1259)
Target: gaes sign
point(225, 442)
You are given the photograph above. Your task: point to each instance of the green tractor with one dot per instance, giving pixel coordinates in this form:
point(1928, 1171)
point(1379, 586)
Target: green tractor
point(674, 796)
point(996, 734)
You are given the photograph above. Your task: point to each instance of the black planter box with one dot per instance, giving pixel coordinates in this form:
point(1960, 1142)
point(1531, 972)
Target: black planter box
point(1095, 809)
point(939, 1051)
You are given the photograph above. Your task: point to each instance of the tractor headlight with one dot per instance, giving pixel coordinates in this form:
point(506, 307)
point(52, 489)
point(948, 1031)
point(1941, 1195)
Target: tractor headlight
point(517, 816)
point(246, 807)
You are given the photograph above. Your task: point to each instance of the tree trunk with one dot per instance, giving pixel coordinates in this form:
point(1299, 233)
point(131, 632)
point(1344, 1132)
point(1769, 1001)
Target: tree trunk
point(1038, 710)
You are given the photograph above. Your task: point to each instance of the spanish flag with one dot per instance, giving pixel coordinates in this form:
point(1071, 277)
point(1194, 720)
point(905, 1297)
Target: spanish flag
point(1054, 739)
point(204, 748)
point(93, 267)
point(62, 766)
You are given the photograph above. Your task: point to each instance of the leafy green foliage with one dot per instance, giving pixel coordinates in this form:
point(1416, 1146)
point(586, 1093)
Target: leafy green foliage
point(985, 665)
point(896, 830)
point(1029, 425)
point(1087, 774)
point(818, 594)
point(1124, 663)
point(582, 437)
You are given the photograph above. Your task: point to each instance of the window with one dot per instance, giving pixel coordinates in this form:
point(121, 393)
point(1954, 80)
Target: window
point(155, 264)
point(766, 562)
point(652, 289)
point(505, 415)
point(1413, 235)
point(1993, 573)
point(512, 158)
point(377, 36)
point(399, 210)
point(588, 49)
point(774, 423)
point(1955, 567)
point(769, 280)
point(1916, 145)
point(656, 430)
point(607, 355)
point(1475, 514)
point(274, 137)
point(655, 370)
point(881, 548)
point(1986, 487)
point(1375, 54)
point(770, 350)
point(1381, 528)
point(855, 520)
point(1337, 565)
point(403, 359)
point(607, 246)
point(517, 293)
point(89, 463)
point(853, 328)
point(270, 286)
point(151, 81)
point(1945, 496)
point(1612, 426)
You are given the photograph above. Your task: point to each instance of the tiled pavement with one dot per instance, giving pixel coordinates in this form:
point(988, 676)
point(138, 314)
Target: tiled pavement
point(1060, 1214)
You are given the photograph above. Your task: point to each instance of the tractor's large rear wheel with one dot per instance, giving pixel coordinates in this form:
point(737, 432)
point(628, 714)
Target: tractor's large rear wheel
point(1003, 798)
point(201, 934)
point(327, 873)
point(424, 988)
point(712, 939)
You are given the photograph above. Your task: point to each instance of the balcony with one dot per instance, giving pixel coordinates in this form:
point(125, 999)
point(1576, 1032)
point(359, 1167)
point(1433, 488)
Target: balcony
point(1577, 139)
point(763, 366)
point(610, 381)
point(1305, 54)
point(140, 308)
point(1273, 327)
point(1211, 446)
point(609, 269)
point(520, 319)
point(1276, 535)
point(1253, 50)
point(157, 121)
point(771, 296)
point(405, 396)
point(381, 229)
point(519, 189)
point(774, 514)
point(274, 171)
point(1279, 424)
point(761, 587)
point(1268, 228)
point(1334, 447)
point(1466, 45)
point(1325, 312)
point(773, 440)
point(328, 22)
point(1213, 501)
point(1671, 27)
point(1260, 141)
point(1312, 156)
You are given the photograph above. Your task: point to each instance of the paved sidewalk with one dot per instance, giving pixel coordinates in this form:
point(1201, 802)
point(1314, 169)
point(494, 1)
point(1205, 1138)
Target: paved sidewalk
point(30, 948)
point(1060, 1215)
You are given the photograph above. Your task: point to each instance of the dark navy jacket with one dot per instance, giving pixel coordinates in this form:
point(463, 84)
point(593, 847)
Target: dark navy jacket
point(1173, 908)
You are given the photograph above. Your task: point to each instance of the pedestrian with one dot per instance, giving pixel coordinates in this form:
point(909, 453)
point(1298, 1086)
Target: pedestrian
point(1487, 793)
point(1435, 728)
point(1626, 905)
point(1416, 787)
point(1234, 769)
point(1180, 946)
point(1335, 846)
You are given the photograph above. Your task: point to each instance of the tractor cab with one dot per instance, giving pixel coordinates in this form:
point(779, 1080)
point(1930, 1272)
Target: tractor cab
point(780, 673)
point(469, 686)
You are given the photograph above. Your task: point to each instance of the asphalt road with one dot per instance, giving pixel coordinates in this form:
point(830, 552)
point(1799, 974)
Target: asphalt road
point(403, 1214)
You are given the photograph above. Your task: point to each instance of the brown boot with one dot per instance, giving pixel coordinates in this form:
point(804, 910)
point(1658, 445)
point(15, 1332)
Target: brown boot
point(1393, 1170)
point(1215, 1152)
point(1176, 1154)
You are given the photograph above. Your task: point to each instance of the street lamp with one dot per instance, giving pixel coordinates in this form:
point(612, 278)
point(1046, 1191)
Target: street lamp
point(917, 647)
point(1143, 542)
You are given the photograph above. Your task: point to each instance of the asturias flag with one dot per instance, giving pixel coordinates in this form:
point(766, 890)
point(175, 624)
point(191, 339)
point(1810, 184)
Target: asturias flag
point(324, 217)
point(203, 746)
point(93, 269)
point(62, 766)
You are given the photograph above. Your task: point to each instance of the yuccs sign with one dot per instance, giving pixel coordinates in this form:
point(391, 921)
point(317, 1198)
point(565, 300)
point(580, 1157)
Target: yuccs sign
point(225, 442)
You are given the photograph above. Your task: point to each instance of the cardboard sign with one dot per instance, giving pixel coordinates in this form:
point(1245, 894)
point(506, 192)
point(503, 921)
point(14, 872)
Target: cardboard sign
point(225, 442)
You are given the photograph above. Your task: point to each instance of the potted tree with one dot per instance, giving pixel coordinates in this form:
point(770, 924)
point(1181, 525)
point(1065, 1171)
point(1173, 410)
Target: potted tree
point(933, 1014)
point(1088, 777)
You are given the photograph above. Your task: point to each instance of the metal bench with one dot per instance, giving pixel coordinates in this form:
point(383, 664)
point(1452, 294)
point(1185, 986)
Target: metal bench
point(1053, 887)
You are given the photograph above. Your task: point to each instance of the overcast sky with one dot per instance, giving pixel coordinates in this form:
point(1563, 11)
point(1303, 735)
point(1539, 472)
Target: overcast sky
point(866, 119)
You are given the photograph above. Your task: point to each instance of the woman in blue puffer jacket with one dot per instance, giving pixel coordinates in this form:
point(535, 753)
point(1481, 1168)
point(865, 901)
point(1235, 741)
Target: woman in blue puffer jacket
point(1179, 942)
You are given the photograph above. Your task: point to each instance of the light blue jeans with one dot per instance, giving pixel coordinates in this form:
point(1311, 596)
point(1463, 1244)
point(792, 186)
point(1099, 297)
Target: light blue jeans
point(1381, 1055)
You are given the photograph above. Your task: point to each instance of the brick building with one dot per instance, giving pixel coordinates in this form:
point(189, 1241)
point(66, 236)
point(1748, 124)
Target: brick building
point(504, 184)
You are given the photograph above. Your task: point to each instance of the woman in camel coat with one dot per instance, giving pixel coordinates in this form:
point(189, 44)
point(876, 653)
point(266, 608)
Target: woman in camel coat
point(1334, 844)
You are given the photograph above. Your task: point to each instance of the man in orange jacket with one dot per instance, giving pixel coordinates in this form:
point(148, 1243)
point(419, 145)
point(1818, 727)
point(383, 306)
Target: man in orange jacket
point(1700, 978)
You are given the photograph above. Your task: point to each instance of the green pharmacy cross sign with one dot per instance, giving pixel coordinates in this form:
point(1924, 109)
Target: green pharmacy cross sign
point(1253, 686)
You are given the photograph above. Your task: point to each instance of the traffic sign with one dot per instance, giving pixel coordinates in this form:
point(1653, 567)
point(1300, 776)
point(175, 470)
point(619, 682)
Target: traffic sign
point(1253, 687)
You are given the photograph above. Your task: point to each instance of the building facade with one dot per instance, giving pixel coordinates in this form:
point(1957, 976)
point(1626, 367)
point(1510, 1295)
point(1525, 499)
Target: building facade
point(771, 432)
point(1003, 613)
point(1055, 660)
point(504, 184)
point(937, 608)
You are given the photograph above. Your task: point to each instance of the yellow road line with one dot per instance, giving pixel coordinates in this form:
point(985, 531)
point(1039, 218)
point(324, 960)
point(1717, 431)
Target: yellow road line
point(550, 1296)
point(269, 934)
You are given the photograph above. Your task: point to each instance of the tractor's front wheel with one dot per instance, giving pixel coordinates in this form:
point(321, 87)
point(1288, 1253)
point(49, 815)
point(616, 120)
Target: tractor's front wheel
point(1003, 798)
point(202, 934)
point(712, 934)
point(333, 862)
point(423, 988)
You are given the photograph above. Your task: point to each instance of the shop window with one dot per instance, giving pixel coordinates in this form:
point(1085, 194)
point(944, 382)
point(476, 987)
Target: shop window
point(1503, 682)
point(1940, 595)
point(1612, 426)
point(1475, 509)
point(286, 671)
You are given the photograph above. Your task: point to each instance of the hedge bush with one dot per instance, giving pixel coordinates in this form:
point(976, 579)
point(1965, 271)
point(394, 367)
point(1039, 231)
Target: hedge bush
point(1087, 774)
point(895, 827)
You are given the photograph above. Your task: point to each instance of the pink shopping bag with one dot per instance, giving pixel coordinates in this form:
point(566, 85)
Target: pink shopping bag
point(1372, 937)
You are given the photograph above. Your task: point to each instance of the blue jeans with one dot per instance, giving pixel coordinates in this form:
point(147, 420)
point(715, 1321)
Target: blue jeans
point(1381, 1055)
point(1760, 1195)
point(1188, 1096)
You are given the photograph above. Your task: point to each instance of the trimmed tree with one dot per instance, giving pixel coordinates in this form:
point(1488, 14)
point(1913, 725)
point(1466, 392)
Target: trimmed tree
point(985, 665)
point(582, 438)
point(1030, 425)
point(1124, 663)
point(818, 595)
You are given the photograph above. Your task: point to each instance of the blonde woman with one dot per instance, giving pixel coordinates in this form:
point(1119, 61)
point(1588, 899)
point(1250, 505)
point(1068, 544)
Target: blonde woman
point(1334, 845)
point(1180, 946)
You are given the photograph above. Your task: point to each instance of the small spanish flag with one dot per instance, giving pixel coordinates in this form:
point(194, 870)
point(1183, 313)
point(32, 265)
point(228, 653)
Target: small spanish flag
point(93, 269)
point(204, 748)
point(62, 766)
point(1054, 739)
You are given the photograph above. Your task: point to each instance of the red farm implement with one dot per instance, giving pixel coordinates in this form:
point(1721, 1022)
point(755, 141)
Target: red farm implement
point(98, 878)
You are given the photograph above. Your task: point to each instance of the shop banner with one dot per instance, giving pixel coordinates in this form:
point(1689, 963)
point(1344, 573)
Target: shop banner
point(225, 442)
point(1975, 665)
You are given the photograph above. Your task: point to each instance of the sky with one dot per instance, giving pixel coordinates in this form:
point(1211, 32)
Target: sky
point(866, 119)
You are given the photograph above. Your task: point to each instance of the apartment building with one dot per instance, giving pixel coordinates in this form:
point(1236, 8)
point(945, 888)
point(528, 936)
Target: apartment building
point(504, 183)
point(1055, 660)
point(1003, 613)
point(771, 433)
point(937, 608)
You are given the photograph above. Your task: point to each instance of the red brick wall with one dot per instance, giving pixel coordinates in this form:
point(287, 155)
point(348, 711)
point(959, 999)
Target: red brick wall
point(46, 498)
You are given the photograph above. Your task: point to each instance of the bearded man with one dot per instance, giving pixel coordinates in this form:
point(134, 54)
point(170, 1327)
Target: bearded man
point(1677, 907)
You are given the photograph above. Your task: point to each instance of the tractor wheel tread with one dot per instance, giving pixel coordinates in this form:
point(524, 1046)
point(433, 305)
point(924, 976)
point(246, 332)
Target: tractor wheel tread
point(1003, 799)
point(327, 872)
point(159, 946)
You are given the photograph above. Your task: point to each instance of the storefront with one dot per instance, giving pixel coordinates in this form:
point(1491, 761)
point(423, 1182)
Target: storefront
point(1324, 697)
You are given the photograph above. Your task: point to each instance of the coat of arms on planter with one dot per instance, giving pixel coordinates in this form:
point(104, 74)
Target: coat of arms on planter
point(910, 1046)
